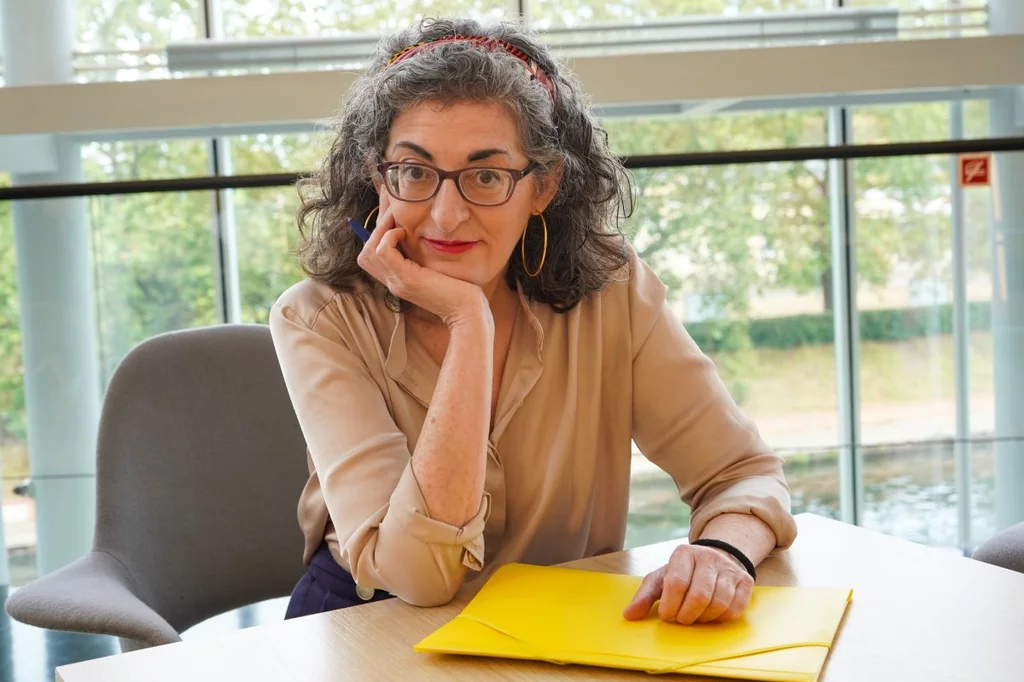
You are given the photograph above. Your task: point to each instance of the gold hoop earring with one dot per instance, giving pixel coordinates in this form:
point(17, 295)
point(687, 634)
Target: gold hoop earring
point(366, 223)
point(543, 254)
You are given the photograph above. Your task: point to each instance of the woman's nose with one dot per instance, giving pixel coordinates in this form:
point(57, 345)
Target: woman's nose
point(449, 209)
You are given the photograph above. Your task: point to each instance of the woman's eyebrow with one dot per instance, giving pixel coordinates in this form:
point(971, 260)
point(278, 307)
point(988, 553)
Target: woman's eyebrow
point(482, 154)
point(477, 155)
point(414, 147)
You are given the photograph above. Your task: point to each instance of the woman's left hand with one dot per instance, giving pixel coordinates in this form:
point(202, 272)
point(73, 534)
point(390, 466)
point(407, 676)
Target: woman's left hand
point(697, 585)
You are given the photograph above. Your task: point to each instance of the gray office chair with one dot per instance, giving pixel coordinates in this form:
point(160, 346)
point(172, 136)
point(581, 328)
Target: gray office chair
point(200, 463)
point(1005, 549)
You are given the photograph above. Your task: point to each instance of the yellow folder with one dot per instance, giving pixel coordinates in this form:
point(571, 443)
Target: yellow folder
point(564, 615)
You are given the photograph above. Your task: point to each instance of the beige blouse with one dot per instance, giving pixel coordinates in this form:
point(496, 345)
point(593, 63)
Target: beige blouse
point(577, 388)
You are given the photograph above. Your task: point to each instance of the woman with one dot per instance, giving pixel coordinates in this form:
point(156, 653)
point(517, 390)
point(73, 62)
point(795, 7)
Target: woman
point(470, 379)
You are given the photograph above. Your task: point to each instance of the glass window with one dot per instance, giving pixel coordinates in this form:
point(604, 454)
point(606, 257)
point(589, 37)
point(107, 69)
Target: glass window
point(267, 237)
point(144, 160)
point(18, 507)
point(977, 212)
point(153, 254)
point(264, 219)
point(246, 19)
point(926, 122)
point(904, 227)
point(135, 24)
point(551, 13)
point(745, 251)
point(977, 202)
point(933, 18)
point(154, 267)
point(722, 132)
point(125, 39)
point(151, 270)
point(907, 400)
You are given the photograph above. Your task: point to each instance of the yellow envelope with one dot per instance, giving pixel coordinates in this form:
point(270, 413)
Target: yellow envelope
point(564, 615)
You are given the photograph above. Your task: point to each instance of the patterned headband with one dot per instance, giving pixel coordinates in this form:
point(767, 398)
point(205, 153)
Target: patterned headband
point(536, 72)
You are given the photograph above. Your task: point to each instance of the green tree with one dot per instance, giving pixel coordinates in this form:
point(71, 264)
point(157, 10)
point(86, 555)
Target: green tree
point(134, 24)
point(153, 254)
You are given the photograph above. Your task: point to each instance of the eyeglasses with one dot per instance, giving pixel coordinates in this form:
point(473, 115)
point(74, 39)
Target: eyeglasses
point(409, 181)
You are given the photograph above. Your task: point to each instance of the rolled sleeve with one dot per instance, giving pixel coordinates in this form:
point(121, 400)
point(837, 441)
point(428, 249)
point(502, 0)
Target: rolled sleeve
point(765, 497)
point(363, 465)
point(685, 421)
point(409, 516)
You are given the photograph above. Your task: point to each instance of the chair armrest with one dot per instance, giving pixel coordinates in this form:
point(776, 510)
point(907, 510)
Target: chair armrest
point(1005, 549)
point(94, 594)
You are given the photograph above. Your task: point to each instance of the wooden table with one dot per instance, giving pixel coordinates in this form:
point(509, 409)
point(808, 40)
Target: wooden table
point(917, 614)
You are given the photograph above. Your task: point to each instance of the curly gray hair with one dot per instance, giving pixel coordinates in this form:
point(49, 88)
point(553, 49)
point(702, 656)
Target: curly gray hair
point(586, 247)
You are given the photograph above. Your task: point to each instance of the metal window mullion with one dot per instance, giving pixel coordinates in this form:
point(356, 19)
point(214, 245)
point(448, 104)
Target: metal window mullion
point(847, 329)
point(844, 311)
point(225, 241)
point(961, 340)
point(523, 9)
point(961, 323)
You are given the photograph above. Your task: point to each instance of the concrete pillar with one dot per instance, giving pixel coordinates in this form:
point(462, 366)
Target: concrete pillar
point(1007, 118)
point(56, 298)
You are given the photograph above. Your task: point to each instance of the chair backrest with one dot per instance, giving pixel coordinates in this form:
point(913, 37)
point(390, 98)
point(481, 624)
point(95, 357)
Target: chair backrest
point(1005, 549)
point(200, 463)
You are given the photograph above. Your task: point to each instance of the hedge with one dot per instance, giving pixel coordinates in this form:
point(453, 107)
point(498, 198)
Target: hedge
point(806, 330)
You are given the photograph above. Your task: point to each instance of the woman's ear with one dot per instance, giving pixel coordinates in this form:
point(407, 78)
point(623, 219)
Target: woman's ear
point(549, 188)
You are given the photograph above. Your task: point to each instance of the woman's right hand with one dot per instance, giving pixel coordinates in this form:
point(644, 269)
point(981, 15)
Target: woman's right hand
point(450, 299)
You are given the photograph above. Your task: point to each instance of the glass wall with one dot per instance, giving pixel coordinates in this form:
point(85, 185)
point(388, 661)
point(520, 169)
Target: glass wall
point(243, 19)
point(934, 18)
point(745, 250)
point(18, 509)
point(981, 362)
point(154, 263)
point(267, 236)
point(904, 210)
point(725, 131)
point(153, 254)
point(125, 39)
point(904, 297)
point(153, 260)
point(264, 219)
point(551, 13)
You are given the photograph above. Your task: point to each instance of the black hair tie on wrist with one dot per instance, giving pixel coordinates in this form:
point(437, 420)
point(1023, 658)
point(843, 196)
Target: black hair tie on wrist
point(726, 547)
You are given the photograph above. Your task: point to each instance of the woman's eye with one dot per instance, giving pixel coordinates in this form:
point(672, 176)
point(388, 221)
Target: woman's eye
point(414, 173)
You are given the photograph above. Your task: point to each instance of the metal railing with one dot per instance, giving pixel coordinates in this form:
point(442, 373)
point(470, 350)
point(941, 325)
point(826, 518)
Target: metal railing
point(715, 158)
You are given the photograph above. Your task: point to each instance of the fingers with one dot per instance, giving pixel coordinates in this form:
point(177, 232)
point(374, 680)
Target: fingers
point(678, 574)
point(649, 592)
point(740, 600)
point(698, 594)
point(394, 262)
point(721, 598)
point(698, 585)
point(388, 244)
point(380, 256)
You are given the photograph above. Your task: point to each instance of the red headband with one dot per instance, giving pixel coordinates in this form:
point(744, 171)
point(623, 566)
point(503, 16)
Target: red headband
point(536, 72)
